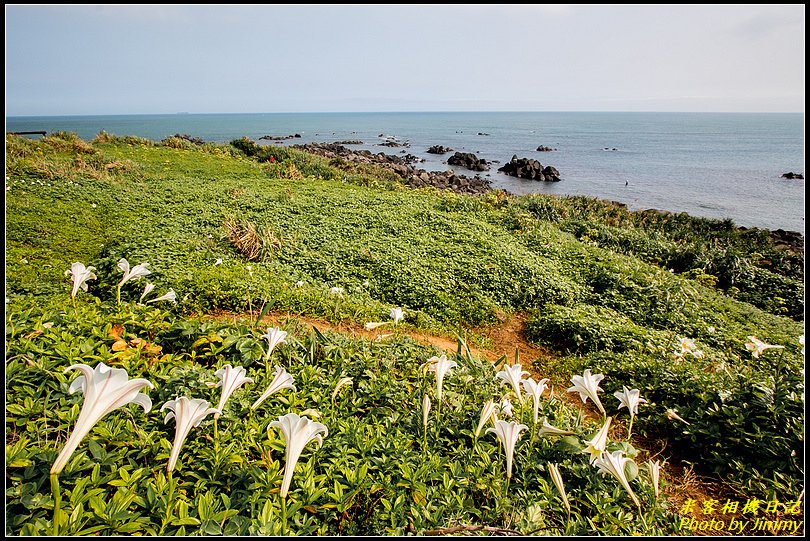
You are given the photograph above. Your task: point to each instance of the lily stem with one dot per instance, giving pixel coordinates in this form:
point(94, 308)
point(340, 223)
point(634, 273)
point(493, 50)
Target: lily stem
point(216, 439)
point(57, 503)
point(630, 428)
point(284, 515)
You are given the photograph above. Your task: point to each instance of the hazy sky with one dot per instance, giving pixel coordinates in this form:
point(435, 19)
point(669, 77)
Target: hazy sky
point(112, 59)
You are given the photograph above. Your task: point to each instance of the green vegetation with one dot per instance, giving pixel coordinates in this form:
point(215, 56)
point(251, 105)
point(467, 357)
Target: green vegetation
point(607, 289)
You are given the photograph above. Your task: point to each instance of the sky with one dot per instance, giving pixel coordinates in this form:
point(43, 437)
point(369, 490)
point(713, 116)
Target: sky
point(150, 59)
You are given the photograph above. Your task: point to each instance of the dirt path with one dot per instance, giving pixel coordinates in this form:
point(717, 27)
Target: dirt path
point(680, 483)
point(505, 337)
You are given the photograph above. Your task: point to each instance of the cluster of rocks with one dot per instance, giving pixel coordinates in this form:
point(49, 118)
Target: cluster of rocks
point(468, 160)
point(530, 169)
point(279, 137)
point(542, 148)
point(790, 239)
point(439, 149)
point(349, 142)
point(187, 137)
point(791, 176)
point(403, 167)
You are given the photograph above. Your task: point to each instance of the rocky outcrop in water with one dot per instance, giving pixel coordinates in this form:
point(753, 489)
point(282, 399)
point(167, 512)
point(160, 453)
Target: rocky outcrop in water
point(439, 149)
point(279, 137)
point(402, 166)
point(468, 160)
point(542, 148)
point(530, 169)
point(791, 175)
point(189, 138)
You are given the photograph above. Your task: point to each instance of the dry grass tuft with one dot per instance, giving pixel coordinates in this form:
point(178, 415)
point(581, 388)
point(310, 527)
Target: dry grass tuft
point(252, 244)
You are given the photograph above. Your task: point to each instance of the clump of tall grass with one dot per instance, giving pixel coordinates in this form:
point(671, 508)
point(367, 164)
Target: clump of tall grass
point(252, 244)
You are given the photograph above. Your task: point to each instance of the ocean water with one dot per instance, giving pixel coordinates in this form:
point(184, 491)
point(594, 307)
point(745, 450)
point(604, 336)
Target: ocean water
point(715, 165)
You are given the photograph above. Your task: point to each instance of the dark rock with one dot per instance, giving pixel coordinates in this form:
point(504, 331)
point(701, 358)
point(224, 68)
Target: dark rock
point(349, 142)
point(530, 169)
point(791, 175)
point(195, 140)
point(277, 137)
point(790, 239)
point(342, 157)
point(297, 136)
point(468, 160)
point(482, 133)
point(439, 149)
point(542, 148)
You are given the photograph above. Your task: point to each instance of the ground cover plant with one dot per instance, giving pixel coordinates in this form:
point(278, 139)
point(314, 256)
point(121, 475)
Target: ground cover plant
point(169, 233)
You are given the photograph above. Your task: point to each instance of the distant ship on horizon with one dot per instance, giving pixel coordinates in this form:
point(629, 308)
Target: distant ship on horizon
point(182, 113)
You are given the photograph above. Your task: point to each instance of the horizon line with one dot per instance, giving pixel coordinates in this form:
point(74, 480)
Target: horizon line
point(183, 113)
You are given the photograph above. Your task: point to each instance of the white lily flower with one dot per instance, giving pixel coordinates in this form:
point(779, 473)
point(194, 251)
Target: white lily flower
point(801, 341)
point(504, 408)
point(757, 346)
point(687, 345)
point(396, 314)
point(298, 432)
point(336, 291)
point(487, 413)
point(146, 291)
point(105, 389)
point(587, 385)
point(425, 410)
point(711, 330)
point(341, 382)
point(170, 296)
point(187, 414)
point(80, 274)
point(629, 399)
point(508, 433)
point(613, 463)
point(513, 376)
point(673, 414)
point(281, 380)
point(441, 366)
point(655, 472)
point(218, 261)
point(371, 325)
point(274, 337)
point(548, 430)
point(137, 272)
point(558, 482)
point(535, 390)
point(230, 379)
point(597, 445)
point(299, 283)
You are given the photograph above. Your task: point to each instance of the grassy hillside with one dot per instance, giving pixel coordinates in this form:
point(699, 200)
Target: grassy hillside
point(604, 288)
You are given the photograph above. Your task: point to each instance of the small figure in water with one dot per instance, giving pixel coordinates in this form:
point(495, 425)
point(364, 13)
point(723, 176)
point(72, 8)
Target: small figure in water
point(626, 182)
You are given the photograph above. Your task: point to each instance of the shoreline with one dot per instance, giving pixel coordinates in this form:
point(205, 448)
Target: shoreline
point(680, 162)
point(404, 168)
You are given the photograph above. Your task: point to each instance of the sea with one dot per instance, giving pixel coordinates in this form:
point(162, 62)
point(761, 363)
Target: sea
point(713, 165)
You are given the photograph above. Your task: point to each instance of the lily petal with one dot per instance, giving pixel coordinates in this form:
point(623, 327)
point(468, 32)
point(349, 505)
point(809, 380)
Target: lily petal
point(105, 389)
